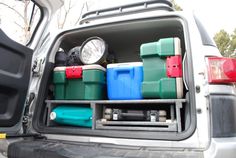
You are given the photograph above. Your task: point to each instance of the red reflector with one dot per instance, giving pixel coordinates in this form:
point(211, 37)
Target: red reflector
point(221, 70)
point(74, 72)
point(174, 66)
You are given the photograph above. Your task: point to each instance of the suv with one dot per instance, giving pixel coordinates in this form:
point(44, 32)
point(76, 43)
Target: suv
point(201, 123)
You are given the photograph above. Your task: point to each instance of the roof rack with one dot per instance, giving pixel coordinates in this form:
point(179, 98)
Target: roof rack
point(127, 9)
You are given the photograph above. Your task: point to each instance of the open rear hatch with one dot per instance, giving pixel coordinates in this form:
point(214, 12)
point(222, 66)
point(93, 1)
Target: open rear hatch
point(164, 109)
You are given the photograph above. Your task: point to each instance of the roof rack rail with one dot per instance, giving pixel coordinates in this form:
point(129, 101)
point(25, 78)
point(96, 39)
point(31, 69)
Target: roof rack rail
point(127, 9)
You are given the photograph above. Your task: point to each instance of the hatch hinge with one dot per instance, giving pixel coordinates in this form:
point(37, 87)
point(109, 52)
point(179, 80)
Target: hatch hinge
point(26, 117)
point(37, 65)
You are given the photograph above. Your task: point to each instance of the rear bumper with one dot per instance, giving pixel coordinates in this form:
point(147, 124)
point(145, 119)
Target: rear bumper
point(219, 148)
point(223, 122)
point(59, 149)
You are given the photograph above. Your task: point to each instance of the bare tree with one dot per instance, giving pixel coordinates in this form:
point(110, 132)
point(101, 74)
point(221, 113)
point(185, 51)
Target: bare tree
point(65, 17)
point(26, 21)
point(23, 21)
point(68, 15)
point(63, 13)
point(176, 6)
point(85, 5)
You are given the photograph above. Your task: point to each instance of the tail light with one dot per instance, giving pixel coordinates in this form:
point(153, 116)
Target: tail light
point(221, 70)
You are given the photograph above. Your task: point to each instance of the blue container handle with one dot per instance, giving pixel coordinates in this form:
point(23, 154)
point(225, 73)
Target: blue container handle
point(128, 70)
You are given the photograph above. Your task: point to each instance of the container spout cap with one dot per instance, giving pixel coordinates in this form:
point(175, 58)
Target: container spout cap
point(53, 116)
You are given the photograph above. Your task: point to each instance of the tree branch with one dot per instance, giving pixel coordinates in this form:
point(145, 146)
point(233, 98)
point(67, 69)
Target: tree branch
point(70, 6)
point(1, 3)
point(58, 18)
point(19, 26)
point(81, 11)
point(64, 21)
point(66, 14)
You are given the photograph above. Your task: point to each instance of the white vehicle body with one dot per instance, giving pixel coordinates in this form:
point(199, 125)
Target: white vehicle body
point(199, 141)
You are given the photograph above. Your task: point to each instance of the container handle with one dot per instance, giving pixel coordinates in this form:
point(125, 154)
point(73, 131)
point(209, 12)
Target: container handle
point(129, 70)
point(82, 118)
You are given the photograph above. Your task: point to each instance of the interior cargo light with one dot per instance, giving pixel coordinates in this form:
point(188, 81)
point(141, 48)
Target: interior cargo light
point(221, 70)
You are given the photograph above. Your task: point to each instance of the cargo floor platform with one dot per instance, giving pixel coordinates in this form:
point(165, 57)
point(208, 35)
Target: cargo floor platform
point(117, 101)
point(173, 124)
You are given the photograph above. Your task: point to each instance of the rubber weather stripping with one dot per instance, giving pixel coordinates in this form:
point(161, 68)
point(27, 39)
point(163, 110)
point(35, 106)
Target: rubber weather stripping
point(36, 136)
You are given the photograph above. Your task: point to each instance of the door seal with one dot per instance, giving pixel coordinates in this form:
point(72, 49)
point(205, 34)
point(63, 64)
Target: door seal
point(34, 135)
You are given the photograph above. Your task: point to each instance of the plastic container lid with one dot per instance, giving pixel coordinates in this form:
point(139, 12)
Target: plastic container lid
point(177, 46)
point(84, 67)
point(133, 64)
point(60, 68)
point(93, 67)
point(53, 116)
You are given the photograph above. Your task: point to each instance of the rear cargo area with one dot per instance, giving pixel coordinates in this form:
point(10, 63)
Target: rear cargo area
point(92, 103)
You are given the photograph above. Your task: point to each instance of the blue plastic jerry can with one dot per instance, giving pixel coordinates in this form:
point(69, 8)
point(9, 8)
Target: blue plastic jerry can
point(72, 115)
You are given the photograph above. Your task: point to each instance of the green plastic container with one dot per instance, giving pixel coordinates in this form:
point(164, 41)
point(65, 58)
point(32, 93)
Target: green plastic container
point(72, 115)
point(164, 88)
point(164, 47)
point(90, 86)
point(155, 83)
point(59, 80)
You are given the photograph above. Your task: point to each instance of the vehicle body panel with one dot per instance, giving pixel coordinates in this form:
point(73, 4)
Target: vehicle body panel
point(199, 143)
